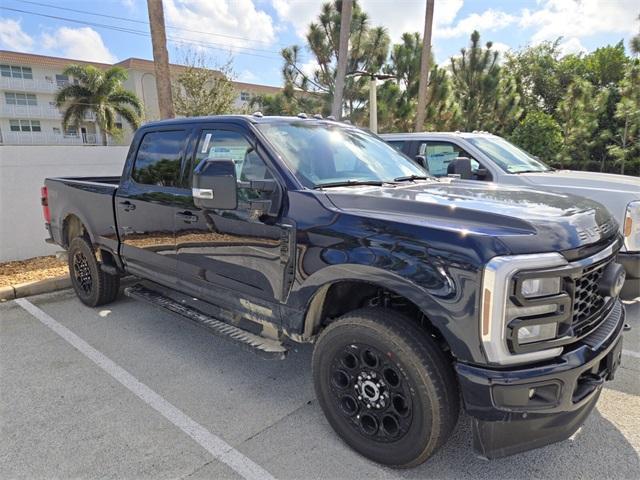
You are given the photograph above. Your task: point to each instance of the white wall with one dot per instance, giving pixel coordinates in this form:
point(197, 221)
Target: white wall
point(22, 173)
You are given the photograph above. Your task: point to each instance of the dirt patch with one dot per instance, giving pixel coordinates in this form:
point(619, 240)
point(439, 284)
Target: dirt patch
point(38, 268)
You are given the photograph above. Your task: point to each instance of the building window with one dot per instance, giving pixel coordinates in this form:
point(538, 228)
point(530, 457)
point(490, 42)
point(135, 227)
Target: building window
point(245, 96)
point(118, 125)
point(56, 131)
point(24, 125)
point(16, 72)
point(62, 80)
point(71, 131)
point(13, 98)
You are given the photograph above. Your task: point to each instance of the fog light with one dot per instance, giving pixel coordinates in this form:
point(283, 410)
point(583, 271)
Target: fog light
point(537, 333)
point(540, 287)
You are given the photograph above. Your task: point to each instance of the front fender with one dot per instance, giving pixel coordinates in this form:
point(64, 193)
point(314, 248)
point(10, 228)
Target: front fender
point(450, 304)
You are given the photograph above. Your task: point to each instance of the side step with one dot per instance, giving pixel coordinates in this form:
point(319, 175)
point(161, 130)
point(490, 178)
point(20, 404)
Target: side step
point(264, 347)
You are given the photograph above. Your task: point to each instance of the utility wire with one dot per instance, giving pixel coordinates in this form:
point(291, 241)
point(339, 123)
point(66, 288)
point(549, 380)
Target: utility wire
point(181, 40)
point(142, 22)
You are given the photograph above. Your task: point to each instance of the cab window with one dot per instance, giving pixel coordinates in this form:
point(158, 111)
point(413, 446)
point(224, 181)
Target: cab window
point(440, 154)
point(159, 157)
point(230, 145)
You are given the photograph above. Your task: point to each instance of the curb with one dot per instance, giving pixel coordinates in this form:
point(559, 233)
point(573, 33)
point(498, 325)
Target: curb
point(34, 288)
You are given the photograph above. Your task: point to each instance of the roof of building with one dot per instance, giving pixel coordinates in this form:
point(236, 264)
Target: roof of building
point(44, 60)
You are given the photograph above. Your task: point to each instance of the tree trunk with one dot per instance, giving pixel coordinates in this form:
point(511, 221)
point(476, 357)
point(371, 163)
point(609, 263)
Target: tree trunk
point(425, 66)
point(160, 58)
point(343, 57)
point(105, 140)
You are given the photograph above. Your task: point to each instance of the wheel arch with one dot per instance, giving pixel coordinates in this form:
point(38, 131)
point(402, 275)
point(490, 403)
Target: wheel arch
point(339, 289)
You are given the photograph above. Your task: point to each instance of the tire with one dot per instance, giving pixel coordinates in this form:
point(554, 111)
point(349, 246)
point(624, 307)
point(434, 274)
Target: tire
point(385, 387)
point(92, 286)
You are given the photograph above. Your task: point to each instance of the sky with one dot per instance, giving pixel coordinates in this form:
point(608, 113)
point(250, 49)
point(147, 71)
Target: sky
point(251, 33)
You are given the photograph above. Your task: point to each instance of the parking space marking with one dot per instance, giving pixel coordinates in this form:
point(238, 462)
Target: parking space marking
point(631, 353)
point(220, 449)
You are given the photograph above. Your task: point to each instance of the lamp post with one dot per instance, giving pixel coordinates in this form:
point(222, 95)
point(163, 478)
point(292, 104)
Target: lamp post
point(373, 94)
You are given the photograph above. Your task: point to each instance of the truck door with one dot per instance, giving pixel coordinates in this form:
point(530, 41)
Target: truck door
point(146, 204)
point(231, 254)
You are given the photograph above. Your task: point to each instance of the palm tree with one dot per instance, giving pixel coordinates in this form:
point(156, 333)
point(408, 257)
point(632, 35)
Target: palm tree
point(101, 93)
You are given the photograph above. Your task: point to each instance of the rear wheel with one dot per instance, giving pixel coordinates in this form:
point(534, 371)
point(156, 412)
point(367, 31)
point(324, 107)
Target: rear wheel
point(92, 286)
point(385, 387)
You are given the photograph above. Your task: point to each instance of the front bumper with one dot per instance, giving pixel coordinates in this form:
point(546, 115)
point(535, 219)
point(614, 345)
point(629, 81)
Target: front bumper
point(521, 409)
point(631, 264)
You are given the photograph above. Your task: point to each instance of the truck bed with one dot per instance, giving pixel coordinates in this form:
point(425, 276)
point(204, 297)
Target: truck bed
point(91, 200)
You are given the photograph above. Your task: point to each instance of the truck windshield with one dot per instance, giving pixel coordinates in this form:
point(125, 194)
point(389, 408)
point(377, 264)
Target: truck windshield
point(327, 155)
point(508, 157)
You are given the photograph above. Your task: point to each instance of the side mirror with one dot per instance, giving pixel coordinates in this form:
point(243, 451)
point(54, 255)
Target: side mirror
point(481, 173)
point(421, 160)
point(461, 168)
point(214, 185)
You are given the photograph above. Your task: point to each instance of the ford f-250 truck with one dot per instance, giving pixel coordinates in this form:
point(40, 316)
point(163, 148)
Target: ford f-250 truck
point(489, 158)
point(418, 293)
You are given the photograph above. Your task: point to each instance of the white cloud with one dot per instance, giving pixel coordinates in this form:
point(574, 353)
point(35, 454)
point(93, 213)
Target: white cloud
point(248, 76)
point(572, 45)
point(239, 21)
point(12, 37)
point(397, 16)
point(580, 18)
point(487, 21)
point(78, 43)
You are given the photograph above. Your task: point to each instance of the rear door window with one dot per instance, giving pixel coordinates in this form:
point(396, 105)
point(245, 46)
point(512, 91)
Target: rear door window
point(159, 158)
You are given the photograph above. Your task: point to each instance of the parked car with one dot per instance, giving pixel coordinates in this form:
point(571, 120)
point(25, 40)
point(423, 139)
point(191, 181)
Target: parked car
point(494, 159)
point(276, 230)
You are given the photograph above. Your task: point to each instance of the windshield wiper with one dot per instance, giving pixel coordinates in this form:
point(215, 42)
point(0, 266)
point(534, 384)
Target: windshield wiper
point(410, 178)
point(348, 183)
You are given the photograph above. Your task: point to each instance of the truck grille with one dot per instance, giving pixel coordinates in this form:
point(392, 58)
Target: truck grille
point(588, 304)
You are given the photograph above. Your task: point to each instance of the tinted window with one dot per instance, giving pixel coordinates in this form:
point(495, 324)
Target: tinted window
point(158, 159)
point(397, 144)
point(440, 154)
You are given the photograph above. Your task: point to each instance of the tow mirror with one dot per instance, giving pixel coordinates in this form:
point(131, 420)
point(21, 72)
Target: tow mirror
point(460, 168)
point(421, 160)
point(214, 185)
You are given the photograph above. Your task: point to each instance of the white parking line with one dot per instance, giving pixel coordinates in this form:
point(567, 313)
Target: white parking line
point(631, 353)
point(220, 449)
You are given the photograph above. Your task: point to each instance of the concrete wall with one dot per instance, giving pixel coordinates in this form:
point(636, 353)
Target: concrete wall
point(22, 173)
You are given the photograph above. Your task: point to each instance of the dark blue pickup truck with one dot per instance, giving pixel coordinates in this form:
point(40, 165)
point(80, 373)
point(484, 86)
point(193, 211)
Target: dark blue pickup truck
point(419, 294)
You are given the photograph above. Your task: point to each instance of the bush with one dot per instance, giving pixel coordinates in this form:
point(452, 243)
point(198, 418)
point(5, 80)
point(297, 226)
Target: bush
point(540, 135)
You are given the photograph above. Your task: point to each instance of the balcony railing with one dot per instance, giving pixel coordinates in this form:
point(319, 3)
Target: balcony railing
point(41, 138)
point(28, 85)
point(29, 111)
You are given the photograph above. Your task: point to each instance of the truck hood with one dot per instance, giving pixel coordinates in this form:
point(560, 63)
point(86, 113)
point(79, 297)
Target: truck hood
point(590, 181)
point(525, 220)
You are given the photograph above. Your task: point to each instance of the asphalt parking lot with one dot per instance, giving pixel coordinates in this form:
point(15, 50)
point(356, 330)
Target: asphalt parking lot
point(127, 391)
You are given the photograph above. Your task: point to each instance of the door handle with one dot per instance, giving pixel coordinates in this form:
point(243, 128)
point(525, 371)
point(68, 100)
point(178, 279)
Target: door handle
point(127, 206)
point(187, 217)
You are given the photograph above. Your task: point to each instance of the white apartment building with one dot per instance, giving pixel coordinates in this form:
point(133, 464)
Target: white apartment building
point(29, 116)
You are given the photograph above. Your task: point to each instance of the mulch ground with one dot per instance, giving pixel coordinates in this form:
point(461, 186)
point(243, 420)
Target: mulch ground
point(38, 268)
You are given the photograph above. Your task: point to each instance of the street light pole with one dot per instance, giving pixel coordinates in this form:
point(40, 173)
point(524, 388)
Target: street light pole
point(373, 105)
point(373, 94)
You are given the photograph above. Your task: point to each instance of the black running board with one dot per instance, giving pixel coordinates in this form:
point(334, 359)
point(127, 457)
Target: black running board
point(263, 347)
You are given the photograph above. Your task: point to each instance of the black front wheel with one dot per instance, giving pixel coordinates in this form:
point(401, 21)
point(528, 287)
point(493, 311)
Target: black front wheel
point(93, 286)
point(385, 387)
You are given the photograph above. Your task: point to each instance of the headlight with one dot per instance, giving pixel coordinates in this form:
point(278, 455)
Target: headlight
point(540, 287)
point(504, 319)
point(631, 227)
point(537, 333)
